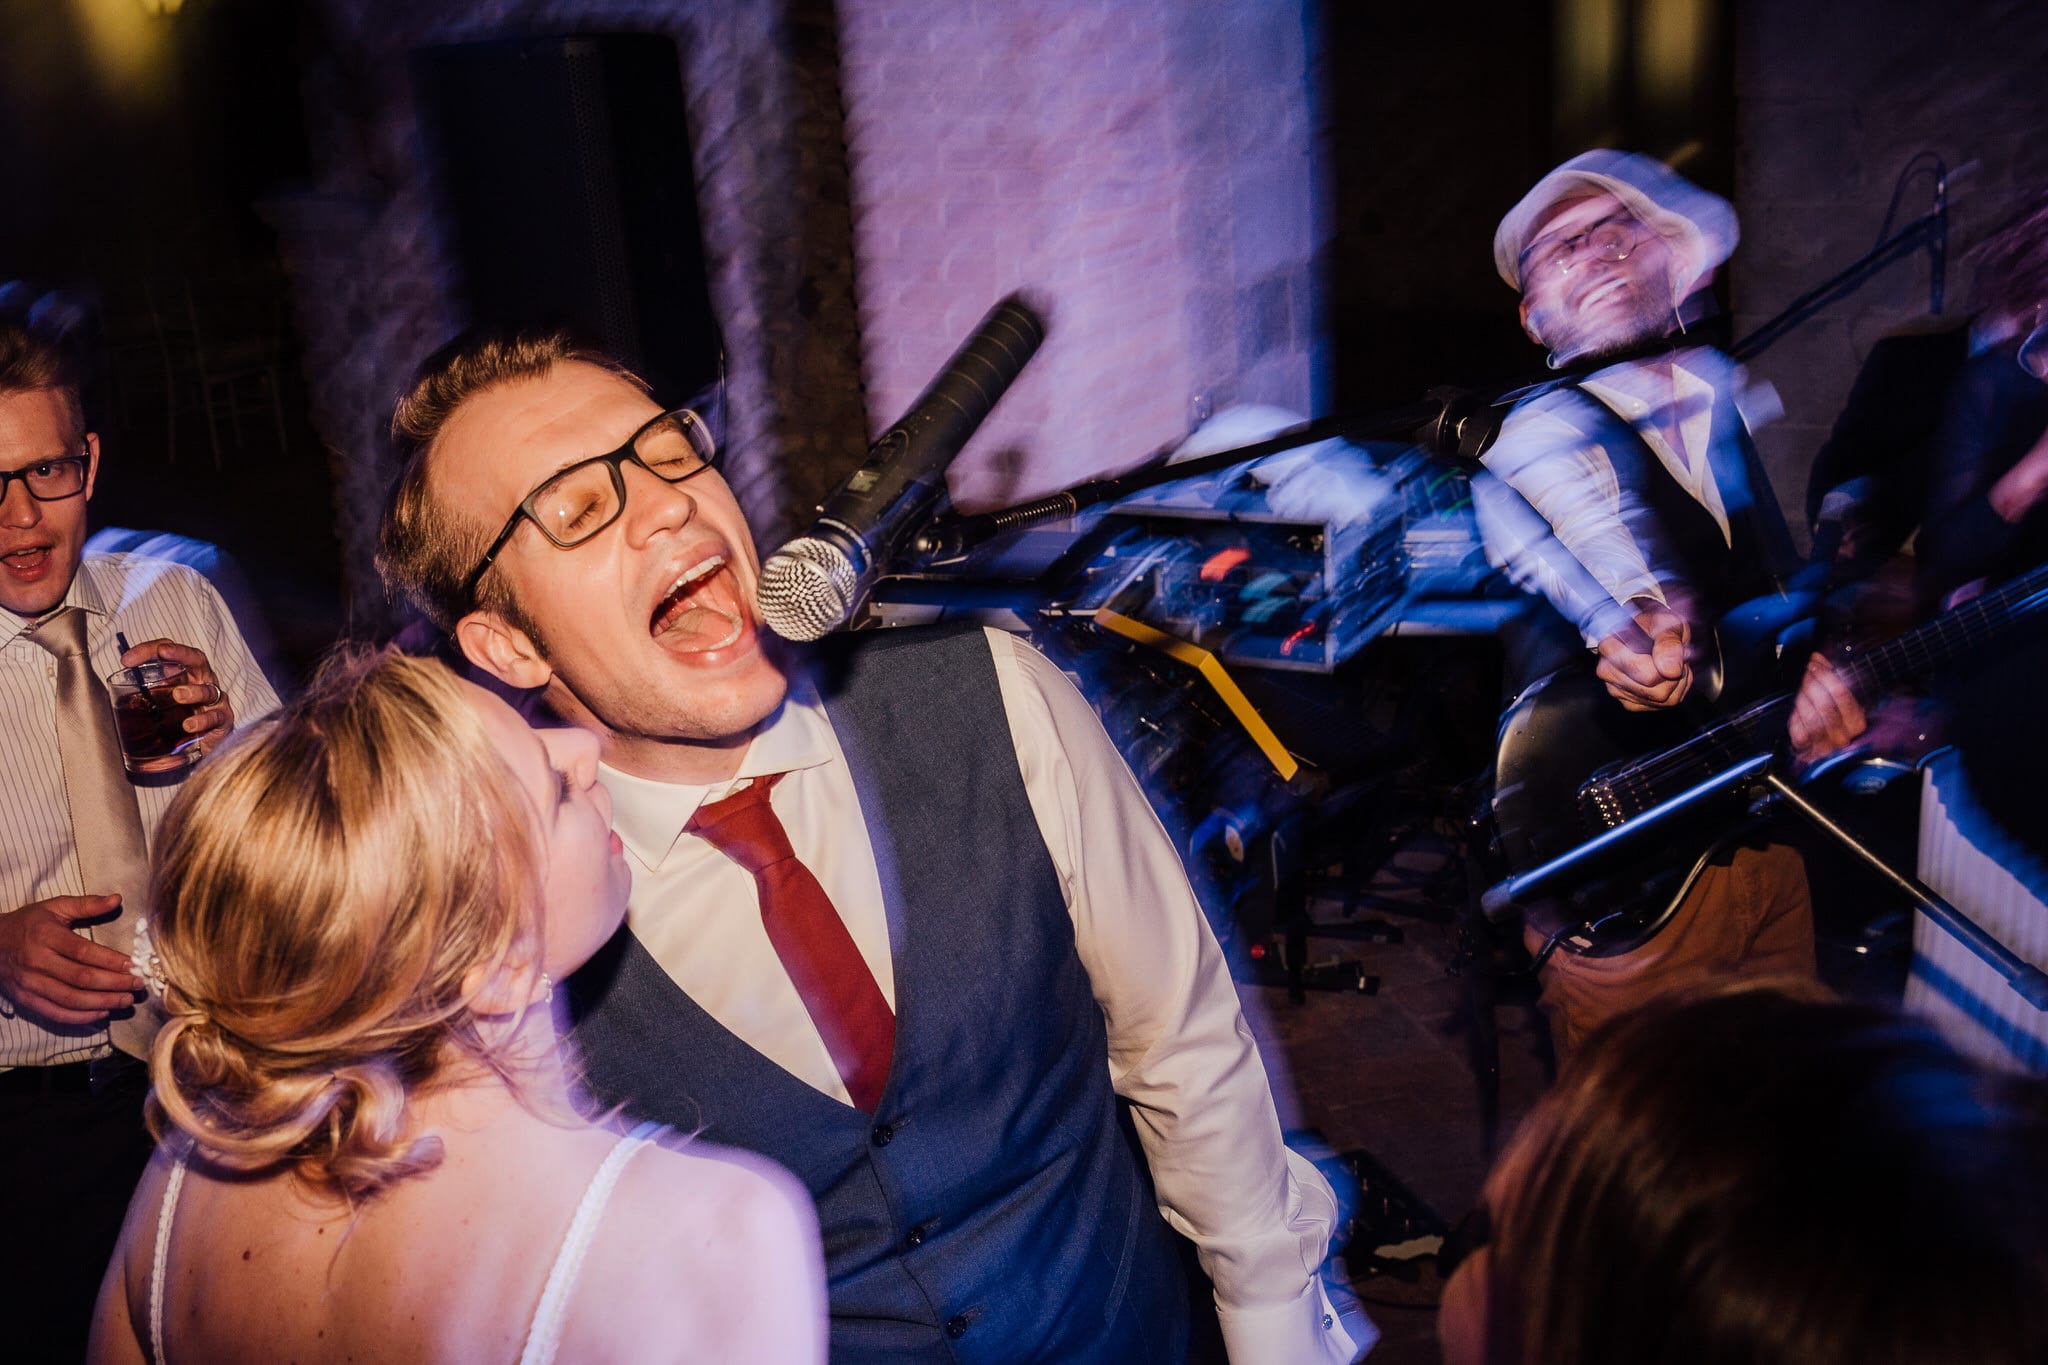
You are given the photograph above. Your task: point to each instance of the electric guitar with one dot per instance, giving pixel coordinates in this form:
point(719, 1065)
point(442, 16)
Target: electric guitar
point(1571, 763)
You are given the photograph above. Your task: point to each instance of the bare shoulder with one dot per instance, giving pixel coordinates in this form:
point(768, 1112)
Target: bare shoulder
point(705, 1253)
point(732, 1214)
point(124, 1290)
point(717, 1183)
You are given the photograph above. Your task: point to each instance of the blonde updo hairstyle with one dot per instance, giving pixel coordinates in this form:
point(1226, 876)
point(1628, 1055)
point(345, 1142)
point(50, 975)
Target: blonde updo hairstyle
point(324, 887)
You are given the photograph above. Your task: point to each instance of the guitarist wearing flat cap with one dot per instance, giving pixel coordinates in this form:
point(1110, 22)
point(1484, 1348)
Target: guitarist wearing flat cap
point(1655, 519)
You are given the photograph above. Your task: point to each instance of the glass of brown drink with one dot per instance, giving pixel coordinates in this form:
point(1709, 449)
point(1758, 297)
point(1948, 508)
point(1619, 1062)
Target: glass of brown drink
point(150, 720)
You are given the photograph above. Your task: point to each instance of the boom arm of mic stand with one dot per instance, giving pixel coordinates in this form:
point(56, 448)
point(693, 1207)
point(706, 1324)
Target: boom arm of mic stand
point(1929, 229)
point(1454, 421)
point(1500, 902)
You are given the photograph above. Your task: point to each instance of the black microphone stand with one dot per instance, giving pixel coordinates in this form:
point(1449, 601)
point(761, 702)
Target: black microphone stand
point(1457, 423)
point(1929, 230)
point(1453, 423)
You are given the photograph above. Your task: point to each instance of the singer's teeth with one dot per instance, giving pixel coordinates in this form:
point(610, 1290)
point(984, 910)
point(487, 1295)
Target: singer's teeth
point(711, 565)
point(1602, 292)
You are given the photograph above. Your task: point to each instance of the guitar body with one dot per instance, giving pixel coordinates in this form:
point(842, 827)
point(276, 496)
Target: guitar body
point(1553, 740)
point(1557, 743)
point(1573, 763)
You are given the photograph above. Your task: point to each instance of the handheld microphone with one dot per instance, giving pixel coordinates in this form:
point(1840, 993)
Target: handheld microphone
point(812, 584)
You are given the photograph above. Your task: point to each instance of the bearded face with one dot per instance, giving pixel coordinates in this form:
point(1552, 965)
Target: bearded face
point(1595, 280)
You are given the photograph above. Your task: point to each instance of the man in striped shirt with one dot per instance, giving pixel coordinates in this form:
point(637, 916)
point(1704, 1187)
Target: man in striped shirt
point(71, 1137)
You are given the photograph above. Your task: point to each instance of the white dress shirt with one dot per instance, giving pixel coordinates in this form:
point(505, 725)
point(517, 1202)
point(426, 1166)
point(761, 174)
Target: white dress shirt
point(146, 599)
point(1548, 453)
point(1179, 1049)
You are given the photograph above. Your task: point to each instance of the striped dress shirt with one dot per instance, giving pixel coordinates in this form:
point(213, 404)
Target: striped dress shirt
point(145, 599)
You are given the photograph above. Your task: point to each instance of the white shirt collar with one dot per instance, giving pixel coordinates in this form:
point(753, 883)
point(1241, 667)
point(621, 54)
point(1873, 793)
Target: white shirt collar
point(651, 815)
point(1636, 388)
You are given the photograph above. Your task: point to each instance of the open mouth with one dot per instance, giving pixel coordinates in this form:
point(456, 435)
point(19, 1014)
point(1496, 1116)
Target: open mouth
point(1602, 293)
point(701, 611)
point(27, 563)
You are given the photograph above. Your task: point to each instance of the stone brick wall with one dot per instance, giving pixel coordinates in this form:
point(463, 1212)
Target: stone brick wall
point(372, 277)
point(1834, 97)
point(1145, 170)
point(1148, 170)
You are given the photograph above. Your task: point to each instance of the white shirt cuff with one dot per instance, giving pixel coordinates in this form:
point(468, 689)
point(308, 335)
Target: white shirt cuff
point(1310, 1329)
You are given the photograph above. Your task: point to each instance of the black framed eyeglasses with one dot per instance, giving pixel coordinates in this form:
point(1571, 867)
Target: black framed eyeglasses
point(48, 480)
point(576, 503)
point(1612, 239)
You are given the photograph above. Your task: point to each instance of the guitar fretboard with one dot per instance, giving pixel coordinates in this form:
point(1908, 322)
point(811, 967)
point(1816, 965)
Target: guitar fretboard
point(1634, 789)
point(1950, 635)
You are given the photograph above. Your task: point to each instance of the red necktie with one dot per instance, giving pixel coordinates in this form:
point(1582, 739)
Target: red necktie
point(830, 975)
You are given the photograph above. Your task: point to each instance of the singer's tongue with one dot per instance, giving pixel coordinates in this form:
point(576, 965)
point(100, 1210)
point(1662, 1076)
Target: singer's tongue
point(700, 616)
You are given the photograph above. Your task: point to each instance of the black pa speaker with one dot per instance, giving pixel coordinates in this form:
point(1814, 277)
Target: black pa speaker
point(564, 167)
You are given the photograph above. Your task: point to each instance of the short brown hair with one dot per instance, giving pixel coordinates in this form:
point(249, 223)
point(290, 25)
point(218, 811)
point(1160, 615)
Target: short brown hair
point(33, 363)
point(1757, 1172)
point(424, 550)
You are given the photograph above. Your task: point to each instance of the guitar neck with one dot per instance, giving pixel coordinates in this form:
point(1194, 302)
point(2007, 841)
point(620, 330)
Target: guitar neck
point(1870, 671)
point(1755, 728)
point(1954, 633)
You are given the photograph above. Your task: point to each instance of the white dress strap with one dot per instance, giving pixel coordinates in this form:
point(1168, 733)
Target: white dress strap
point(545, 1335)
point(165, 1212)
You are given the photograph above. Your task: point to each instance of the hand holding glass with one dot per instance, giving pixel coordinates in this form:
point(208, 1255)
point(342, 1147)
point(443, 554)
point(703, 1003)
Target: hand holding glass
point(151, 719)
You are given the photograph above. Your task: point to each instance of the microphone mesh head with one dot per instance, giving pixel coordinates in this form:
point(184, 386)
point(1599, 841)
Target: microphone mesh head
point(806, 589)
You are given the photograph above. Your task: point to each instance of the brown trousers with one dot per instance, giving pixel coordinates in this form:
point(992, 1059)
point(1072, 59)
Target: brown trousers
point(1752, 916)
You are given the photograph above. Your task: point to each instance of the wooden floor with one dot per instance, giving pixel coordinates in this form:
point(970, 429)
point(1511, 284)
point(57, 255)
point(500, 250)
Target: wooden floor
point(1393, 1073)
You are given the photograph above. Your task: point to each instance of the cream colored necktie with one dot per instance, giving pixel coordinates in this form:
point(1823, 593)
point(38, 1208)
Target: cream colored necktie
point(106, 823)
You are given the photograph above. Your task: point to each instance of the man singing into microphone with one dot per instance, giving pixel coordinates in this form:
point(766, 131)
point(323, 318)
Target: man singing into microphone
point(868, 938)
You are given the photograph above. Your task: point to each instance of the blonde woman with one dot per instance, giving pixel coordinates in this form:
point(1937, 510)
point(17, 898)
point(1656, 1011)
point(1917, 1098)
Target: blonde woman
point(368, 1149)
